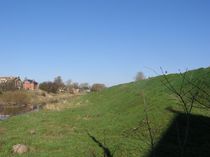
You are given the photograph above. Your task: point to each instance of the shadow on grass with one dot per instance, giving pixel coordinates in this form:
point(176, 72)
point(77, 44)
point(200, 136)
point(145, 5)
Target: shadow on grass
point(106, 150)
point(198, 142)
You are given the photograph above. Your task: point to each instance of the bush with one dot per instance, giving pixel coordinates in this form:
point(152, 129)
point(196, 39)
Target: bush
point(8, 86)
point(43, 94)
point(49, 87)
point(15, 97)
point(139, 76)
point(84, 87)
point(97, 87)
point(59, 82)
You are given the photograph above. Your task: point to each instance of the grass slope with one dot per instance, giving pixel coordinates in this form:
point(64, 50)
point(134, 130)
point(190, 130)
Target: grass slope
point(114, 116)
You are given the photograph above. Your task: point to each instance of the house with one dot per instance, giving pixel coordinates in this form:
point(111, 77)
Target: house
point(8, 83)
point(30, 85)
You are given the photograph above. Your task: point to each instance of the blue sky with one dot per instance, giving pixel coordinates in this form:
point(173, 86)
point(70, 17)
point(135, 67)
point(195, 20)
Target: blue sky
point(106, 41)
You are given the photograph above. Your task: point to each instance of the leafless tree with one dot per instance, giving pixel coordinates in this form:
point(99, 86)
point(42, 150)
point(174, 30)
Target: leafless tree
point(189, 94)
point(149, 127)
point(97, 87)
point(84, 86)
point(139, 76)
point(68, 82)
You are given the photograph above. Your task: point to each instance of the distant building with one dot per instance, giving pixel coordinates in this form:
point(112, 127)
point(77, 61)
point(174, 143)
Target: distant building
point(9, 83)
point(30, 85)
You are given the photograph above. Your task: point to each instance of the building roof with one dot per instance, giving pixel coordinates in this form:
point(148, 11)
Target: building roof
point(30, 81)
point(9, 78)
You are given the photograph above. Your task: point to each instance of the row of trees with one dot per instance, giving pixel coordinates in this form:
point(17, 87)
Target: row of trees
point(58, 85)
point(9, 86)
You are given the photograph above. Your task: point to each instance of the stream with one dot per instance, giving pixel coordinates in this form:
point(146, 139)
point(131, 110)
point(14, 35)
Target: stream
point(7, 111)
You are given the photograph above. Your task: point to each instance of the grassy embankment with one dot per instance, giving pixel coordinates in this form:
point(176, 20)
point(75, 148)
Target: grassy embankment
point(115, 115)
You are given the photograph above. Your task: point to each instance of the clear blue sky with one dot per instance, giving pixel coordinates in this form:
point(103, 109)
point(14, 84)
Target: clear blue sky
point(106, 41)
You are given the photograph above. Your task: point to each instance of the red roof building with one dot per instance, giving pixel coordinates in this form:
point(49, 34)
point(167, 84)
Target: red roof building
point(30, 85)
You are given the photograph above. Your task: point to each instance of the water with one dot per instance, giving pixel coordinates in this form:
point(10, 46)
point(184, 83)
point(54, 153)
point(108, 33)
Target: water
point(4, 117)
point(8, 111)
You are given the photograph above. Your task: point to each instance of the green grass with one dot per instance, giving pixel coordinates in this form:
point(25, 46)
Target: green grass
point(115, 115)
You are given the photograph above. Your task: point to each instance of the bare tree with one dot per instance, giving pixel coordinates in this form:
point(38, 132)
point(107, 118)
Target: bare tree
point(75, 85)
point(189, 94)
point(149, 127)
point(58, 80)
point(69, 82)
point(97, 87)
point(139, 76)
point(84, 87)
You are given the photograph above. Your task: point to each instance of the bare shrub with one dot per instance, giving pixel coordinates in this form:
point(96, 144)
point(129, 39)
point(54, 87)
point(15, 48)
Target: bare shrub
point(97, 87)
point(190, 94)
point(15, 97)
point(139, 76)
point(8, 86)
point(49, 87)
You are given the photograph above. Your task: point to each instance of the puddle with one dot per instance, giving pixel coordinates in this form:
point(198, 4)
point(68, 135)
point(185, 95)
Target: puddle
point(4, 117)
point(7, 111)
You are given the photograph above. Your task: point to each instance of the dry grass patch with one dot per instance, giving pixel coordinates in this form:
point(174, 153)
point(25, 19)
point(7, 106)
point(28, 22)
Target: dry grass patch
point(63, 104)
point(15, 97)
point(2, 130)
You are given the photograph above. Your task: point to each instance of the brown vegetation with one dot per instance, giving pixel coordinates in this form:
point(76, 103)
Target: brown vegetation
point(15, 97)
point(97, 87)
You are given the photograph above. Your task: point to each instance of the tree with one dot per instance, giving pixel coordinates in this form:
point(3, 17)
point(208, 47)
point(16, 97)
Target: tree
point(58, 80)
point(139, 76)
point(191, 93)
point(69, 82)
point(8, 86)
point(49, 87)
point(84, 86)
point(75, 85)
point(58, 83)
point(97, 87)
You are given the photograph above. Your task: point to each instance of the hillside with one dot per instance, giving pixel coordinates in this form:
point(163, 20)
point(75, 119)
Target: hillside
point(115, 116)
